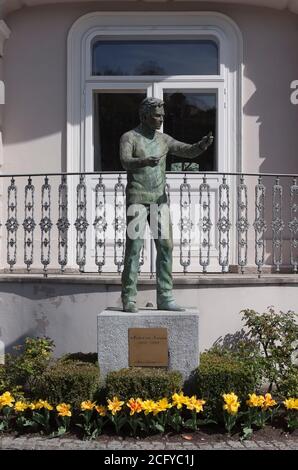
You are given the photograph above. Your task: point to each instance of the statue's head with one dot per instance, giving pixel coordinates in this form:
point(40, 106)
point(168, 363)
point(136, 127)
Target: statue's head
point(152, 112)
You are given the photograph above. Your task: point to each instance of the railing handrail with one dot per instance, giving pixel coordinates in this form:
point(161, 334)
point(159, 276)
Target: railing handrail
point(199, 173)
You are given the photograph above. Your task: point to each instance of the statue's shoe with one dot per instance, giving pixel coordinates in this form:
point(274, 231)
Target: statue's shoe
point(130, 307)
point(170, 305)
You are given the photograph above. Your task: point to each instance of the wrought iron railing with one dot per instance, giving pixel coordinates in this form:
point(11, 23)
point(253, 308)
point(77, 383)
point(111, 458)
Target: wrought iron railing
point(225, 222)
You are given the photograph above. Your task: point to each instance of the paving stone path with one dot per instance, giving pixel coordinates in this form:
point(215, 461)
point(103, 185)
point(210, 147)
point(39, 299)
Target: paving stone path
point(108, 444)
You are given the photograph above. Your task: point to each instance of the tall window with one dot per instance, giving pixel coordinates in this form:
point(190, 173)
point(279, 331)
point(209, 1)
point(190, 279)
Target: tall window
point(155, 57)
point(191, 110)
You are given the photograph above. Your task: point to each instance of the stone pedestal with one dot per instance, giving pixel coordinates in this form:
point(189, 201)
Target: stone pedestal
point(183, 337)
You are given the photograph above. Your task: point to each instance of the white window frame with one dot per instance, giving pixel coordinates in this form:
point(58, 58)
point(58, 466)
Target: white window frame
point(81, 83)
point(108, 87)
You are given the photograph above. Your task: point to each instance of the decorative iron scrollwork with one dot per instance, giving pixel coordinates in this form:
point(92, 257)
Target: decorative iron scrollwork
point(205, 224)
point(277, 223)
point(185, 224)
point(242, 223)
point(224, 224)
point(100, 224)
point(259, 224)
point(63, 223)
point(45, 225)
point(29, 224)
point(81, 223)
point(293, 225)
point(119, 224)
point(12, 224)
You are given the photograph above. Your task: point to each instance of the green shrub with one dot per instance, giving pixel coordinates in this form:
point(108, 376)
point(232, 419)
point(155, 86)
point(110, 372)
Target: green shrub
point(145, 383)
point(91, 358)
point(289, 386)
point(27, 361)
point(218, 374)
point(275, 334)
point(70, 382)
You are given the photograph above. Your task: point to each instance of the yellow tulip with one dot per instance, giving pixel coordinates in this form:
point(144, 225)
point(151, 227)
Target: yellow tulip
point(87, 405)
point(101, 410)
point(135, 406)
point(20, 406)
point(115, 405)
point(63, 409)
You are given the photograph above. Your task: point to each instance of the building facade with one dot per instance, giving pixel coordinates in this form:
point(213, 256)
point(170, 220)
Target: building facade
point(72, 76)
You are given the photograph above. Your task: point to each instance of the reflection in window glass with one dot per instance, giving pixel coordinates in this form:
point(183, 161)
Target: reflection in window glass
point(159, 57)
point(189, 116)
point(114, 114)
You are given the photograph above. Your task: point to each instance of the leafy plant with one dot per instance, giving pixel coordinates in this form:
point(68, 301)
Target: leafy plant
point(62, 419)
point(291, 405)
point(261, 408)
point(276, 335)
point(230, 410)
point(28, 360)
point(288, 386)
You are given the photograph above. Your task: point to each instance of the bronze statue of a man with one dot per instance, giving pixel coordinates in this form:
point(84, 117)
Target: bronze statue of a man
point(143, 152)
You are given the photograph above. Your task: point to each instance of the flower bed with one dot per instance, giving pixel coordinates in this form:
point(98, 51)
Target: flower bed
point(137, 416)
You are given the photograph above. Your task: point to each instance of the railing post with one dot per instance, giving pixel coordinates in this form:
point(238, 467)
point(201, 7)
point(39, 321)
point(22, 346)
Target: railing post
point(100, 224)
point(259, 224)
point(293, 225)
point(63, 223)
point(205, 224)
point(29, 224)
point(242, 223)
point(12, 224)
point(277, 223)
point(81, 223)
point(45, 225)
point(224, 224)
point(185, 225)
point(119, 224)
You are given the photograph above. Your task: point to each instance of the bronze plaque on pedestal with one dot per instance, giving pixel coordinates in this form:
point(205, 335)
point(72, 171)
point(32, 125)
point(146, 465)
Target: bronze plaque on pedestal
point(148, 347)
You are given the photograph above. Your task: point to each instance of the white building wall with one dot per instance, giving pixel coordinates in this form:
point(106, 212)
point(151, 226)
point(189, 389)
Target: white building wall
point(34, 130)
point(35, 76)
point(66, 310)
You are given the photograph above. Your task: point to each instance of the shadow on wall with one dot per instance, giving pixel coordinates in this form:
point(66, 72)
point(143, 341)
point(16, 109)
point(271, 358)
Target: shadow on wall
point(51, 291)
point(39, 330)
point(270, 102)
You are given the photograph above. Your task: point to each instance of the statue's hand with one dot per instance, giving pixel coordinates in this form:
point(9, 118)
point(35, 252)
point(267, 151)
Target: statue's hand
point(207, 141)
point(152, 161)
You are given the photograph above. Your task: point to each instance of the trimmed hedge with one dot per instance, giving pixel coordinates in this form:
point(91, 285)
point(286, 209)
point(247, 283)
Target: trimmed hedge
point(146, 383)
point(90, 357)
point(218, 374)
point(70, 382)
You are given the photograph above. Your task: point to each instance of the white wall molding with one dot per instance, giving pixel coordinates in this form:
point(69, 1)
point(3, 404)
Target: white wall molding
point(2, 92)
point(8, 6)
point(4, 34)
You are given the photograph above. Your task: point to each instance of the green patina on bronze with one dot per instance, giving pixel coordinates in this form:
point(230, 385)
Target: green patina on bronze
point(143, 153)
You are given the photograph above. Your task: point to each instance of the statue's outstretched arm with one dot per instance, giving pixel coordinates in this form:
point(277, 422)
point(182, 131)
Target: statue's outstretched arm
point(183, 150)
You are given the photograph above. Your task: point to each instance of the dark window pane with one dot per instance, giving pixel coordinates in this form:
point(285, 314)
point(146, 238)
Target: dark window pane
point(189, 116)
point(114, 114)
point(171, 57)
